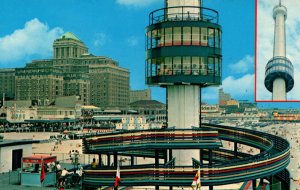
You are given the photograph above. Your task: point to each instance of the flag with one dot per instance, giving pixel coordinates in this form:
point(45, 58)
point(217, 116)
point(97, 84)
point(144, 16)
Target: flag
point(43, 173)
point(118, 178)
point(196, 182)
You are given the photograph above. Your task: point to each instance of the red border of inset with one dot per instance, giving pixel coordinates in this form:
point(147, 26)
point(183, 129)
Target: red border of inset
point(255, 61)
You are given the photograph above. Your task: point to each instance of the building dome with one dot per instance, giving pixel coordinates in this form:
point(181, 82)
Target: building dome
point(70, 35)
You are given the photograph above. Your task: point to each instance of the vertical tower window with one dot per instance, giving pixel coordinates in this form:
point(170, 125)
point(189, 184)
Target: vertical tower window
point(186, 65)
point(203, 36)
point(168, 66)
point(177, 36)
point(168, 36)
point(195, 36)
point(211, 37)
point(186, 36)
point(195, 65)
point(177, 65)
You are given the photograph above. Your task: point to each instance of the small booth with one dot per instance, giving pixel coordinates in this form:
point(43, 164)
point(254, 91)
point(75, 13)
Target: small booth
point(31, 170)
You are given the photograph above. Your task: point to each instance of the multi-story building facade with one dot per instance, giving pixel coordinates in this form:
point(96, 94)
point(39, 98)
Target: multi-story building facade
point(109, 85)
point(96, 80)
point(7, 83)
point(223, 97)
point(42, 84)
point(136, 95)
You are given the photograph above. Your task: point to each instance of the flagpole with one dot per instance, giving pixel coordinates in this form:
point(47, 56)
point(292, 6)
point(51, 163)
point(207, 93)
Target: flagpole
point(196, 181)
point(117, 179)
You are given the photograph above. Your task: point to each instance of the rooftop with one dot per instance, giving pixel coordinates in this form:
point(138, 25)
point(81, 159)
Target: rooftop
point(6, 143)
point(147, 103)
point(70, 35)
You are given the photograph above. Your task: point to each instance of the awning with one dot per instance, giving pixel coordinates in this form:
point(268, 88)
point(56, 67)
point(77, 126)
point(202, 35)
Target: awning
point(132, 111)
point(112, 111)
point(37, 159)
point(89, 107)
point(100, 118)
point(51, 120)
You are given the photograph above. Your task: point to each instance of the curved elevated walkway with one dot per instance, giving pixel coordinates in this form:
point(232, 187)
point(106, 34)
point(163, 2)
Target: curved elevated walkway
point(227, 166)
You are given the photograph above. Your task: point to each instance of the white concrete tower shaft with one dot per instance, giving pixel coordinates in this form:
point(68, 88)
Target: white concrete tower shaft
point(183, 113)
point(183, 100)
point(279, 15)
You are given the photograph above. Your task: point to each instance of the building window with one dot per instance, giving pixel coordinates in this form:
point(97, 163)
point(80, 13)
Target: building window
point(62, 52)
point(177, 36)
point(168, 36)
point(186, 36)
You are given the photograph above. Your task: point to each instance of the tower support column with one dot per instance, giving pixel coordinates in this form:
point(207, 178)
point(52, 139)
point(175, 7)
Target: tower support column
point(254, 184)
point(279, 89)
point(183, 113)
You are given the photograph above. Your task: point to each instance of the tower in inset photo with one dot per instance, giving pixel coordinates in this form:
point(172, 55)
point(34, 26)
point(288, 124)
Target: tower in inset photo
point(279, 72)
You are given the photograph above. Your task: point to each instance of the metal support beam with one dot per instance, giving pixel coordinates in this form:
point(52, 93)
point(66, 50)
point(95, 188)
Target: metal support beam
point(261, 181)
point(210, 164)
point(210, 157)
point(170, 158)
point(156, 158)
point(201, 156)
point(271, 182)
point(108, 159)
point(170, 154)
point(156, 164)
point(235, 149)
point(100, 160)
point(166, 159)
point(115, 159)
point(131, 160)
point(254, 184)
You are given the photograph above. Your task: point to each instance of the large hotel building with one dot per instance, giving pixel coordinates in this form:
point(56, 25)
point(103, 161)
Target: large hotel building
point(97, 80)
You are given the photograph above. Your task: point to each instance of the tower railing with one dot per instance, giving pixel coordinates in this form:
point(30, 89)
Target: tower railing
point(184, 13)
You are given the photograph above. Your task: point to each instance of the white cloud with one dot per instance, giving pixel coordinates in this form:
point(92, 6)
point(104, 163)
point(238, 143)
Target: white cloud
point(265, 44)
point(132, 41)
point(243, 66)
point(34, 39)
point(137, 3)
point(100, 40)
point(239, 88)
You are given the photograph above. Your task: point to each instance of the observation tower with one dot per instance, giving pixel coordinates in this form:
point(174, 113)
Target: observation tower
point(183, 55)
point(279, 71)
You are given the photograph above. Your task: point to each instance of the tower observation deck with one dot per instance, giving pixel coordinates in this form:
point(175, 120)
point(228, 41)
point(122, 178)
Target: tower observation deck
point(279, 70)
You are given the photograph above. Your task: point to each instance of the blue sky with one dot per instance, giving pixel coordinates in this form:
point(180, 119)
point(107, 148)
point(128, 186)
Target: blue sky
point(116, 28)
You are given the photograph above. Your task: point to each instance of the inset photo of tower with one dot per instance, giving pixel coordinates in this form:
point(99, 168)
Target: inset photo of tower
point(277, 71)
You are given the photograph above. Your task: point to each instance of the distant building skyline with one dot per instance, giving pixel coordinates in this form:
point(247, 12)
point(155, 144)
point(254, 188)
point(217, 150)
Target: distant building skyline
point(97, 80)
